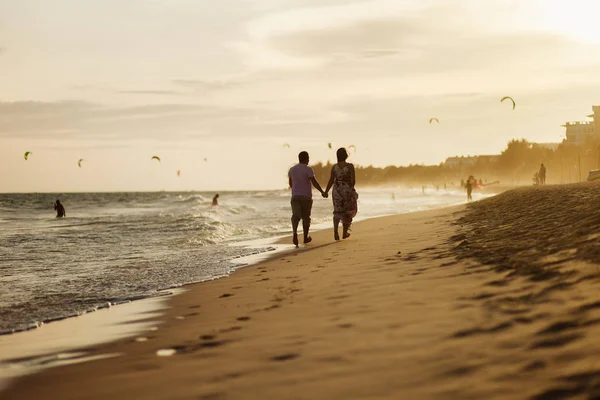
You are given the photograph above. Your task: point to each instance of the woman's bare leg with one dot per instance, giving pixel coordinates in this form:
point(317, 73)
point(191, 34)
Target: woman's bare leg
point(336, 225)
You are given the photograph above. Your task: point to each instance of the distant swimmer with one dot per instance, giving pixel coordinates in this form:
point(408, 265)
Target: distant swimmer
point(60, 210)
point(216, 200)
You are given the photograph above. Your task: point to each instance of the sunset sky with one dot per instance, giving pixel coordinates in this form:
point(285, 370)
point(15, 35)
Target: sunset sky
point(115, 82)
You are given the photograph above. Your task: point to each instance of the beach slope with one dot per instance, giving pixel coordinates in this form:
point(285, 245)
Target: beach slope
point(495, 300)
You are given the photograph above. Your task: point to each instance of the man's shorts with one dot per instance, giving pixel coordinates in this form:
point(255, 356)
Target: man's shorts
point(301, 208)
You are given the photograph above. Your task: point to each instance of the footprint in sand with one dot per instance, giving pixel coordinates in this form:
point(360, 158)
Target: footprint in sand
point(225, 295)
point(285, 357)
point(231, 329)
point(243, 318)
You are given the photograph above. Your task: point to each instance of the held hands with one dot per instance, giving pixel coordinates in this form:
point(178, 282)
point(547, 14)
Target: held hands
point(324, 194)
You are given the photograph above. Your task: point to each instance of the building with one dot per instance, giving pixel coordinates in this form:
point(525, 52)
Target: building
point(549, 146)
point(469, 161)
point(461, 161)
point(578, 132)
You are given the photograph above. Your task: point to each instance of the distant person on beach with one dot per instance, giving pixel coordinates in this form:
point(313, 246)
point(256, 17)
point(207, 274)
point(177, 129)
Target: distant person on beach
point(301, 176)
point(469, 187)
point(536, 178)
point(542, 174)
point(60, 210)
point(215, 201)
point(345, 198)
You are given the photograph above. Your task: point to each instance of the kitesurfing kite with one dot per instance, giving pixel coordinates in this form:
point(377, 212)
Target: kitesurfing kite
point(434, 119)
point(27, 153)
point(155, 158)
point(353, 147)
point(329, 145)
point(286, 145)
point(509, 98)
point(178, 173)
point(79, 162)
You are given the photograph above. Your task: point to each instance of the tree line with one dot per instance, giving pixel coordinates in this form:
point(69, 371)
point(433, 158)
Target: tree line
point(515, 165)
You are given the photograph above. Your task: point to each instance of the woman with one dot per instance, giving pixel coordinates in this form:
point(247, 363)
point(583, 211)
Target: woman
point(344, 196)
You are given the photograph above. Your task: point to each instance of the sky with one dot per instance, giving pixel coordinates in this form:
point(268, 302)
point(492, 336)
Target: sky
point(216, 89)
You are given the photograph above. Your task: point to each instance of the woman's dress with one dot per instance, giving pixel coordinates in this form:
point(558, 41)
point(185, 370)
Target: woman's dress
point(344, 196)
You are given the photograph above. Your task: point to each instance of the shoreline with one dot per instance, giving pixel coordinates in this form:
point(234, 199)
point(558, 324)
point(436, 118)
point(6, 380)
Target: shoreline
point(26, 361)
point(492, 300)
point(179, 304)
point(268, 244)
point(272, 252)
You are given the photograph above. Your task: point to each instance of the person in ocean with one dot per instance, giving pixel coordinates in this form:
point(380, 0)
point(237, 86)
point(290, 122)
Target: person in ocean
point(215, 201)
point(60, 210)
point(469, 187)
point(300, 178)
point(345, 198)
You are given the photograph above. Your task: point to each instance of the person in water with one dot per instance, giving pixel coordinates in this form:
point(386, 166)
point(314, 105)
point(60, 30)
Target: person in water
point(215, 201)
point(345, 205)
point(300, 177)
point(60, 210)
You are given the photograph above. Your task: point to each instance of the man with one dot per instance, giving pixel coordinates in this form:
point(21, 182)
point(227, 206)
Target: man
point(542, 174)
point(301, 176)
point(60, 210)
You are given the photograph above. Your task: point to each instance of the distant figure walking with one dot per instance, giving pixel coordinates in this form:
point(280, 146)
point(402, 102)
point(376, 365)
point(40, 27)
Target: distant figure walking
point(469, 187)
point(536, 178)
point(60, 210)
point(542, 174)
point(345, 198)
point(215, 201)
point(301, 176)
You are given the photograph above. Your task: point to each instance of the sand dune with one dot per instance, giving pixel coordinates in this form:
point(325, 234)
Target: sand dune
point(497, 300)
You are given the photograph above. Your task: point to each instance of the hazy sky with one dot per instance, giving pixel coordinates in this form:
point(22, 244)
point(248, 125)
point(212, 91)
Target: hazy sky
point(115, 82)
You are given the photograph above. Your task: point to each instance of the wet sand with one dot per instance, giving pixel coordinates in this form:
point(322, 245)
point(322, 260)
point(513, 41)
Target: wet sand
point(496, 300)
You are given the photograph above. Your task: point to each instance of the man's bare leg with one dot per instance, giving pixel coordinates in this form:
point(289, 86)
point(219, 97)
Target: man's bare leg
point(305, 228)
point(295, 223)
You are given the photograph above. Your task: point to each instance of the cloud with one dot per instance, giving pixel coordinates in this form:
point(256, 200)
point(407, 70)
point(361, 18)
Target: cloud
point(214, 84)
point(152, 92)
point(75, 120)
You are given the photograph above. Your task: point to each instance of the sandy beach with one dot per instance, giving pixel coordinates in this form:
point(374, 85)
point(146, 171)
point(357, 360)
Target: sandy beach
point(495, 300)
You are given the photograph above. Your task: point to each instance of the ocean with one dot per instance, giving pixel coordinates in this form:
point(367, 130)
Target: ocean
point(116, 247)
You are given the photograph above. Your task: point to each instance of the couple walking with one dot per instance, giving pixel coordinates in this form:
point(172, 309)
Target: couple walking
point(342, 179)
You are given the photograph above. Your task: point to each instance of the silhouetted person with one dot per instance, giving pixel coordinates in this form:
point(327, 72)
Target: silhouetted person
point(60, 210)
point(542, 174)
point(300, 177)
point(469, 187)
point(536, 178)
point(215, 201)
point(345, 198)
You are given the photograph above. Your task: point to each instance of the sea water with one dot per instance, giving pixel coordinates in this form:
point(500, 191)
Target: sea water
point(115, 247)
